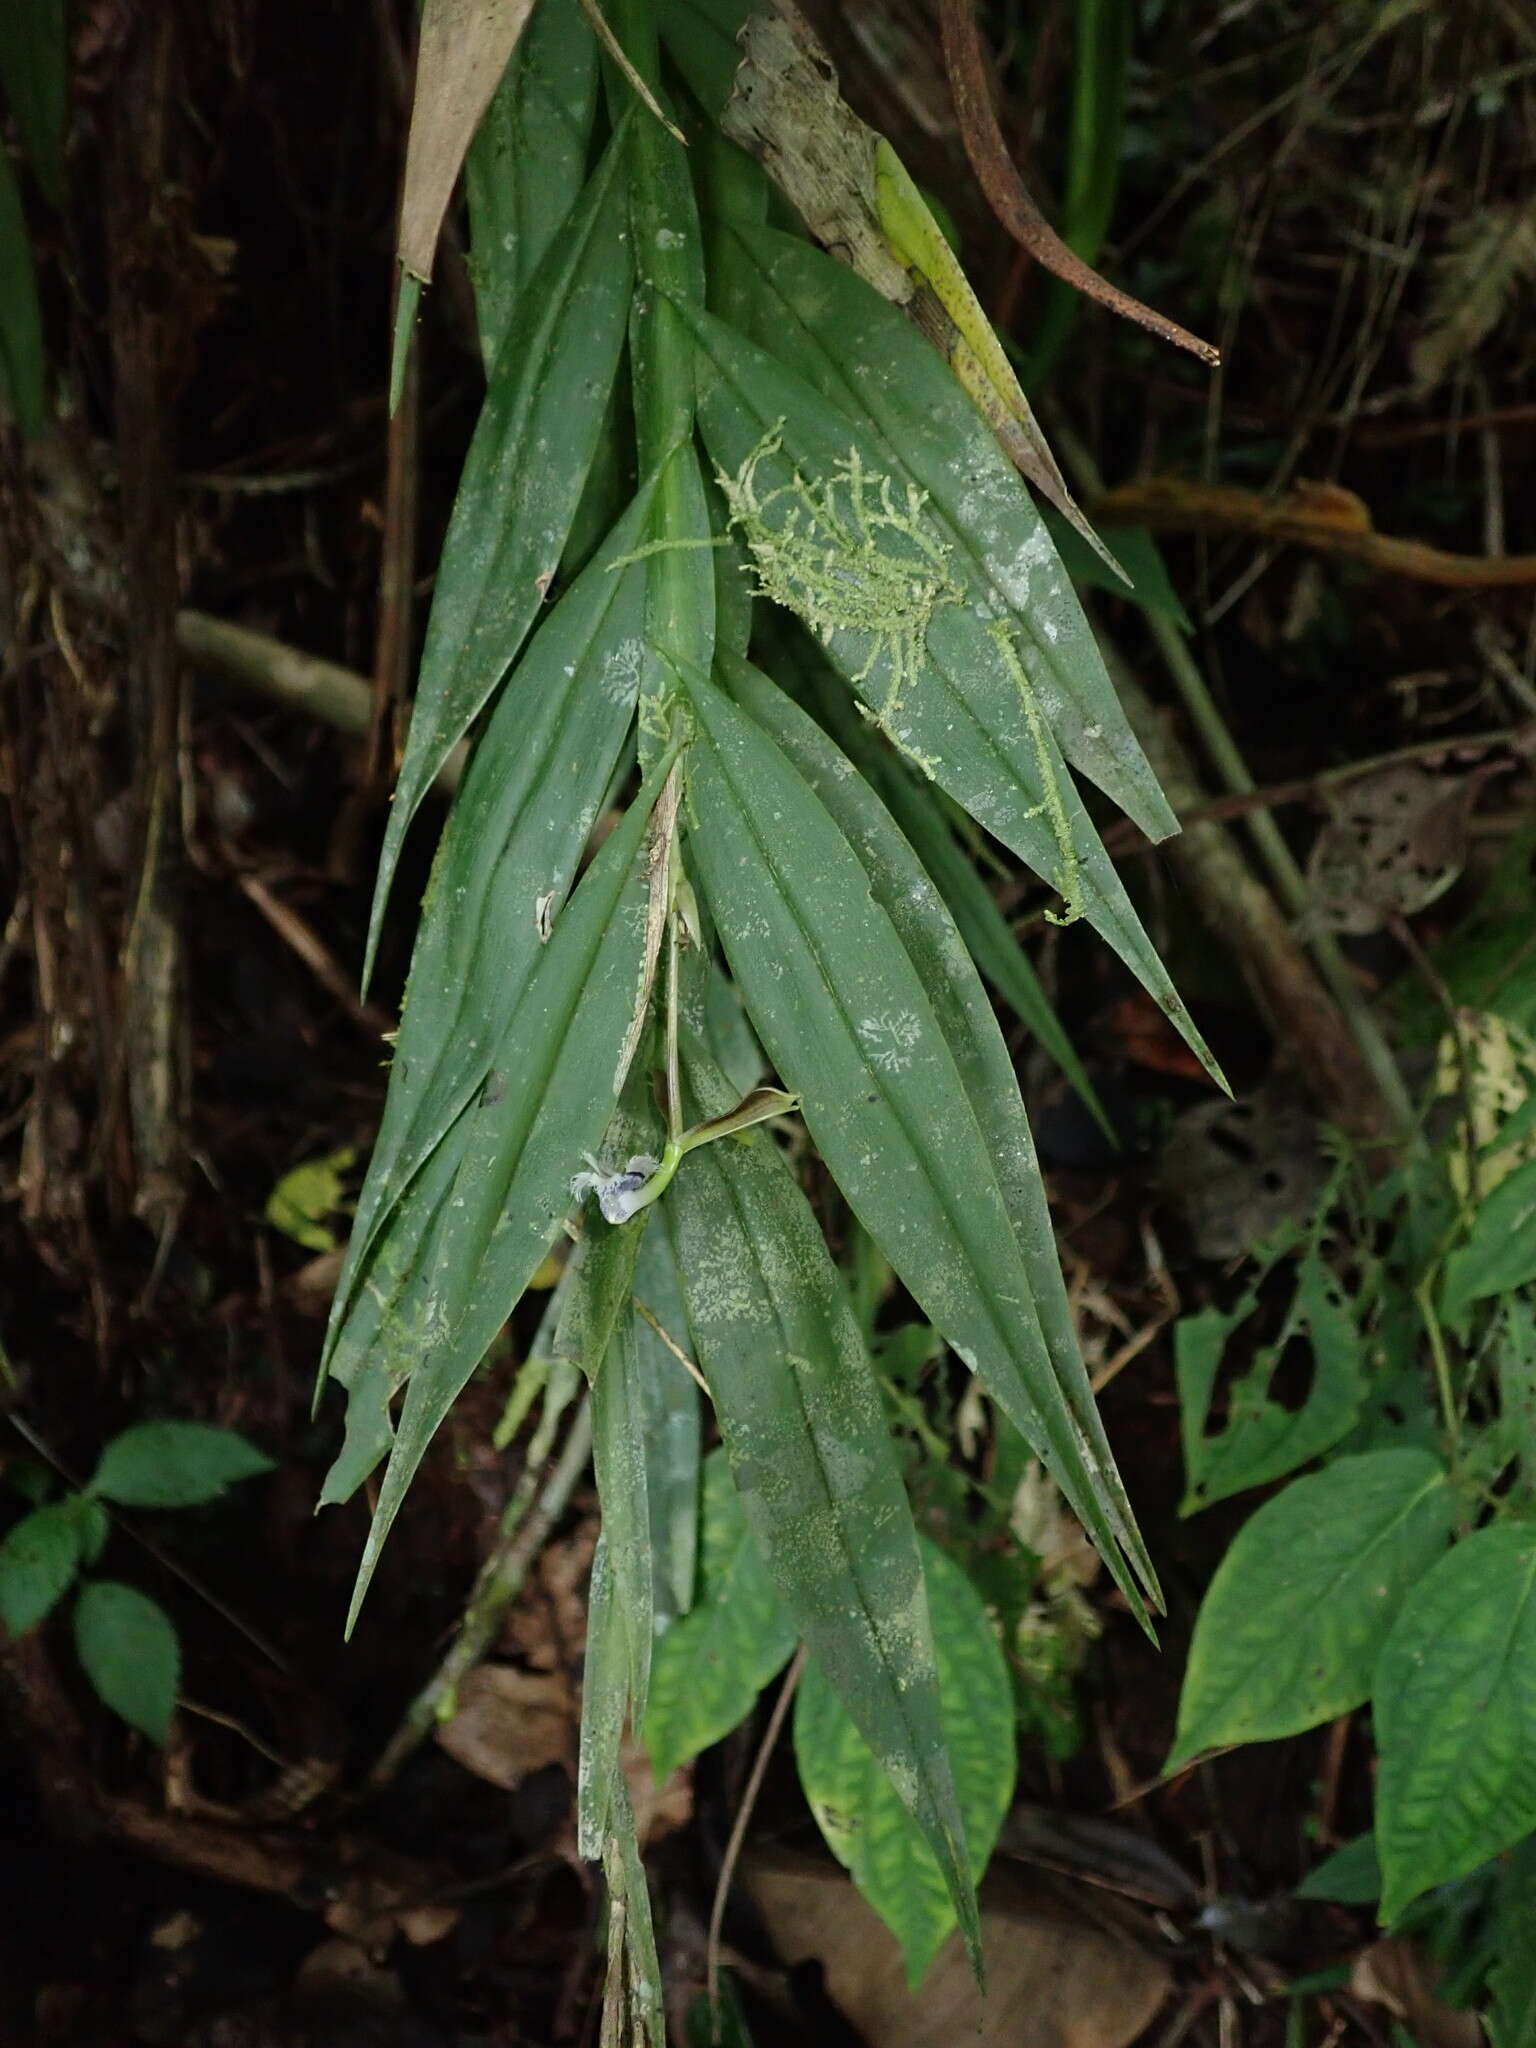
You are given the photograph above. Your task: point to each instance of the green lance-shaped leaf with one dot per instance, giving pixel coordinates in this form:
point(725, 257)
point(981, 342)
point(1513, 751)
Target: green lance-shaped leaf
point(507, 859)
point(598, 1332)
point(671, 1424)
point(128, 1647)
point(604, 1707)
point(938, 661)
point(989, 941)
point(711, 1665)
point(1289, 1633)
point(1454, 1704)
point(522, 481)
point(526, 166)
point(23, 368)
point(804, 1428)
point(34, 71)
point(669, 264)
point(938, 956)
point(869, 361)
point(846, 1019)
point(865, 1825)
point(552, 1089)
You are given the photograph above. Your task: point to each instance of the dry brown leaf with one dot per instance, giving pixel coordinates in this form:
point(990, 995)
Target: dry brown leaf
point(465, 46)
point(511, 1723)
point(1052, 1982)
point(1394, 1974)
point(1393, 842)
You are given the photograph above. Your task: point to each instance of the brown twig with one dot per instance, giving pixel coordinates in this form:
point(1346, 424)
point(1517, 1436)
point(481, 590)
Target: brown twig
point(739, 1826)
point(966, 62)
point(306, 942)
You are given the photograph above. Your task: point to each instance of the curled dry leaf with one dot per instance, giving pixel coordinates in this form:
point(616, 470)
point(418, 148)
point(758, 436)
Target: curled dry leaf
point(1396, 1975)
point(1393, 842)
point(1238, 1170)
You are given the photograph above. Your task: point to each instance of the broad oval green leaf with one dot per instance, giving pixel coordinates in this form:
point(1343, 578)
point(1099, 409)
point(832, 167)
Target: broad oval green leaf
point(869, 360)
point(1500, 1252)
point(846, 1018)
point(509, 852)
point(522, 480)
point(550, 1094)
point(174, 1465)
point(1454, 1701)
point(127, 1646)
point(866, 1826)
point(804, 1428)
point(1290, 1629)
point(525, 168)
point(38, 1563)
point(711, 1665)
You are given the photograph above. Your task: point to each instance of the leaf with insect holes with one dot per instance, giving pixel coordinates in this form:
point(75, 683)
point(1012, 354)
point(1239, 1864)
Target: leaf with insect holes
point(517, 495)
point(1291, 1626)
point(555, 1081)
point(952, 692)
point(804, 1428)
point(866, 1826)
point(174, 1465)
point(1454, 1706)
point(847, 1020)
point(711, 1665)
point(1262, 1439)
point(127, 1646)
point(1499, 1254)
point(508, 856)
point(525, 168)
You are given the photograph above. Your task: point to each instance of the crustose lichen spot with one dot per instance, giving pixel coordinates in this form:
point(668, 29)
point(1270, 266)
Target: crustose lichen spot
point(847, 556)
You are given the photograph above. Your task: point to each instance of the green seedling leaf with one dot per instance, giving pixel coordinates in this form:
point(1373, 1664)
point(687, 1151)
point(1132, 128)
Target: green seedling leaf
point(526, 166)
point(463, 50)
point(1454, 1702)
point(988, 939)
point(868, 363)
point(304, 1199)
point(709, 1667)
point(522, 481)
point(804, 1429)
point(174, 1465)
point(937, 660)
point(669, 1401)
point(1351, 1876)
point(1261, 1439)
point(757, 1106)
point(1512, 1980)
point(39, 1560)
point(128, 1649)
point(551, 1092)
point(23, 369)
point(865, 1824)
point(34, 71)
point(850, 1025)
point(509, 854)
point(1500, 1252)
point(1289, 1633)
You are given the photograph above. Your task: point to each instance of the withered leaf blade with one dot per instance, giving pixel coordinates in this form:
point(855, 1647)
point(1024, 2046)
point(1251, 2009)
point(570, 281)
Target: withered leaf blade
point(465, 45)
